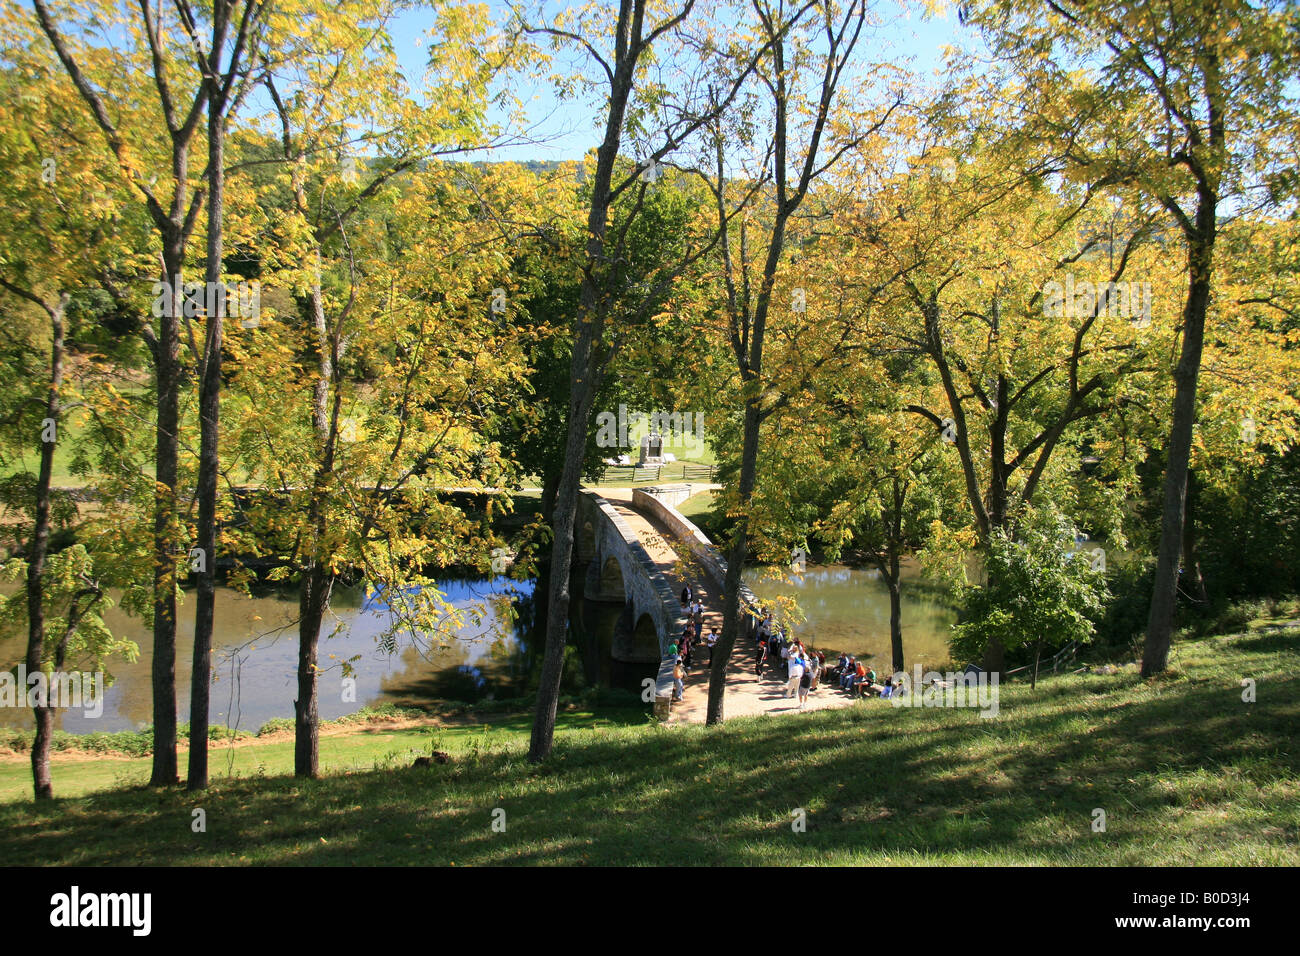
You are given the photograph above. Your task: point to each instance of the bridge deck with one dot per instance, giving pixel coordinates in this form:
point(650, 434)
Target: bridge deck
point(746, 694)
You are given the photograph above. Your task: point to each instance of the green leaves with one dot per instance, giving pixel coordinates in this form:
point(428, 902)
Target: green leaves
point(1037, 588)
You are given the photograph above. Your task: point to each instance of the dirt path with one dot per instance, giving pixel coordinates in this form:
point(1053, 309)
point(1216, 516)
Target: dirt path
point(747, 695)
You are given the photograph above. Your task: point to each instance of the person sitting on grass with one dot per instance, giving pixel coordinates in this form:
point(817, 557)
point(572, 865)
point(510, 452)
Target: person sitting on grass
point(888, 689)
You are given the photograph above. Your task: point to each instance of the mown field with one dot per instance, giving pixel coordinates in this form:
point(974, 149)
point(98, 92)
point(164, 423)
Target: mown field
point(1185, 770)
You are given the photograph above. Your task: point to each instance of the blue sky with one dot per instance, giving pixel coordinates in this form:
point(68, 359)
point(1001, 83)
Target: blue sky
point(907, 38)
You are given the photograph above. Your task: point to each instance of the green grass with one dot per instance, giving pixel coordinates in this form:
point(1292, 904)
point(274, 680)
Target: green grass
point(369, 743)
point(700, 503)
point(1186, 772)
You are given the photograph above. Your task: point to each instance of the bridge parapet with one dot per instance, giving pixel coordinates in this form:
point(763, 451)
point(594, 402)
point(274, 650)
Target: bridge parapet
point(658, 501)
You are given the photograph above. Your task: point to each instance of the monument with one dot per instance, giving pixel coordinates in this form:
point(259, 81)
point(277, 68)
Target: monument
point(652, 449)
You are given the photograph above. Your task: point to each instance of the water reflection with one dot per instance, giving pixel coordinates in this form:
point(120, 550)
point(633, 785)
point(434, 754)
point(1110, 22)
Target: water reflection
point(255, 648)
point(848, 610)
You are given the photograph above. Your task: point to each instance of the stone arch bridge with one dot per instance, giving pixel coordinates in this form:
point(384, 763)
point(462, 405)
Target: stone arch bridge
point(620, 569)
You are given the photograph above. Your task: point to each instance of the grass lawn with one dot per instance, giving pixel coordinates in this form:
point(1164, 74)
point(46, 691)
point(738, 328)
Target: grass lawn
point(1186, 772)
point(343, 749)
point(699, 503)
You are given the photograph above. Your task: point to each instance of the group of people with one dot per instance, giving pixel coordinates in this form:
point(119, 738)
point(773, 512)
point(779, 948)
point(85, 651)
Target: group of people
point(803, 668)
point(692, 635)
point(858, 679)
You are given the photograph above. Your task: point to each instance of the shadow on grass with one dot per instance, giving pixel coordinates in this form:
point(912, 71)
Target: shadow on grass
point(1182, 767)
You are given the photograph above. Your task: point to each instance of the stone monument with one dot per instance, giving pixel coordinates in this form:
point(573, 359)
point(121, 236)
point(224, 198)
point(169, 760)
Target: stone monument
point(652, 449)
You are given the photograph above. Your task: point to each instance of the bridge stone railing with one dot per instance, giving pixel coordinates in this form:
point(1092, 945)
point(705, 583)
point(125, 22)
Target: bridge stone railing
point(661, 502)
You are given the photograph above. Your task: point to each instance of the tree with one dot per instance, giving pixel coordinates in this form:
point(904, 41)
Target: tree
point(1190, 103)
point(1022, 354)
point(1038, 591)
point(224, 62)
point(806, 60)
point(609, 303)
point(130, 130)
point(341, 230)
point(50, 248)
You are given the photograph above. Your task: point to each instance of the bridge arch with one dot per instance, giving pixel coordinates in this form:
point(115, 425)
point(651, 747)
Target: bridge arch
point(620, 569)
point(645, 639)
point(611, 586)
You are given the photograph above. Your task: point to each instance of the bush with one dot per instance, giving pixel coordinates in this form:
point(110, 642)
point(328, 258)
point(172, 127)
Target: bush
point(1037, 593)
point(274, 725)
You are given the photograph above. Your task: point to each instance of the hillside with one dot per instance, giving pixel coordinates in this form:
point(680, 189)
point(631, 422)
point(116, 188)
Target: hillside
point(1185, 770)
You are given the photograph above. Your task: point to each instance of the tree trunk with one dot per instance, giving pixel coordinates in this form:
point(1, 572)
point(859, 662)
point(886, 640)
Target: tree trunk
point(1164, 596)
point(736, 558)
point(550, 488)
point(995, 657)
point(893, 575)
point(316, 584)
point(164, 771)
point(36, 553)
point(584, 380)
point(313, 600)
point(209, 456)
point(566, 506)
point(895, 615)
